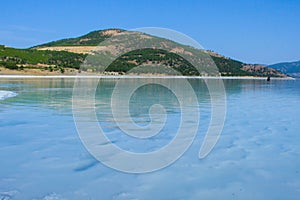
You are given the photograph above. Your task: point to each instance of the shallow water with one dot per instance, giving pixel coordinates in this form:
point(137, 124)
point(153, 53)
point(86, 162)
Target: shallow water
point(256, 157)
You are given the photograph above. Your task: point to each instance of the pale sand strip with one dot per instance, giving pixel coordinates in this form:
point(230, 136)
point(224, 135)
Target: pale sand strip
point(136, 76)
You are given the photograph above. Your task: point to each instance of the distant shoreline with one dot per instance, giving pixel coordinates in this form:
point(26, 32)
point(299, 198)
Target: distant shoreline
point(144, 76)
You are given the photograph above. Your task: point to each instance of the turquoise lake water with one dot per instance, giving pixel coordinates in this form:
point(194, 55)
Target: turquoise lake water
point(257, 155)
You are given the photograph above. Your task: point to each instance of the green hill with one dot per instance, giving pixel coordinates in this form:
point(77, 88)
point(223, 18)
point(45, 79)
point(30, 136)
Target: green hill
point(18, 59)
point(59, 55)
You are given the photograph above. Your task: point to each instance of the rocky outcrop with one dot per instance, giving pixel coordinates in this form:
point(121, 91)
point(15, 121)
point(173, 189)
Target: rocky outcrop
point(261, 70)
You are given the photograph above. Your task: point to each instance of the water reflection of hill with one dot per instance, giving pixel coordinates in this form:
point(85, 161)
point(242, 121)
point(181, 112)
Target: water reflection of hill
point(57, 92)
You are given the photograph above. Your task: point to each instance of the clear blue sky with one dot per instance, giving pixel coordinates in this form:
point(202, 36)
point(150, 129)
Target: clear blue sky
point(253, 31)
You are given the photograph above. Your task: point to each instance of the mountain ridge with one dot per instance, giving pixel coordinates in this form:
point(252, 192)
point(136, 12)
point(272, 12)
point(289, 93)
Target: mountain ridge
point(289, 68)
point(93, 38)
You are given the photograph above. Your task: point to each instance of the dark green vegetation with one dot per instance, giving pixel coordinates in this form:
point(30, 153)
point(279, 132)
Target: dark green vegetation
point(229, 67)
point(290, 68)
point(19, 59)
point(130, 60)
point(150, 57)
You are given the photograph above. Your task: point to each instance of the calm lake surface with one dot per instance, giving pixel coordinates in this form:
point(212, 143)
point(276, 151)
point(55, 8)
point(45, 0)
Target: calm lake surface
point(256, 157)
